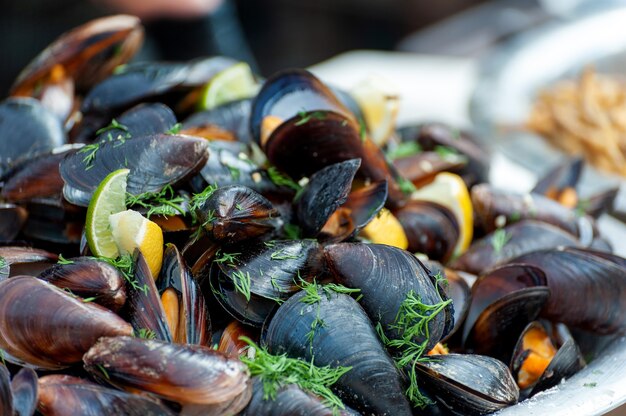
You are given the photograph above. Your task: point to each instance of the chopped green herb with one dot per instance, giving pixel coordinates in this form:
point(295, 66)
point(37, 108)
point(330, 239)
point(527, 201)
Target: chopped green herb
point(515, 216)
point(238, 207)
point(446, 152)
point(235, 172)
point(269, 243)
point(87, 300)
point(279, 370)
point(280, 254)
point(175, 129)
point(2, 358)
point(126, 266)
point(280, 179)
point(90, 154)
point(228, 258)
point(241, 281)
point(406, 186)
point(305, 117)
point(441, 279)
point(362, 130)
point(594, 384)
point(200, 199)
point(404, 149)
point(3, 262)
point(499, 239)
point(103, 371)
point(146, 333)
point(315, 325)
point(164, 202)
point(292, 231)
point(113, 126)
point(582, 207)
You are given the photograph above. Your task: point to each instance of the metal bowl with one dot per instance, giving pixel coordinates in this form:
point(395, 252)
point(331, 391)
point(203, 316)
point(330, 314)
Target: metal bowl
point(509, 80)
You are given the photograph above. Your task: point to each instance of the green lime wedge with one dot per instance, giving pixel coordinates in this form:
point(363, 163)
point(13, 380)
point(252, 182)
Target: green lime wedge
point(233, 83)
point(109, 198)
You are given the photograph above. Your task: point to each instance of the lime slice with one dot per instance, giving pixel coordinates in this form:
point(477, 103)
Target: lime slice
point(232, 84)
point(109, 198)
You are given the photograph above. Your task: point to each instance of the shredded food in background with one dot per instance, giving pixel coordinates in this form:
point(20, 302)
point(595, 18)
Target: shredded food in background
point(585, 117)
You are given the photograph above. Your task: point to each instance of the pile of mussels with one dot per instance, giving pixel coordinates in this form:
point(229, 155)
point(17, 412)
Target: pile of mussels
point(270, 299)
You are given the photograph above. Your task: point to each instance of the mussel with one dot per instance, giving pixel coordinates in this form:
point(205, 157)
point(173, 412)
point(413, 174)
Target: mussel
point(25, 392)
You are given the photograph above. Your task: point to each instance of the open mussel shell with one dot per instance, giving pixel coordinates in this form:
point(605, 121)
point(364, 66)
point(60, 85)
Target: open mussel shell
point(25, 392)
point(431, 229)
point(6, 398)
point(522, 237)
point(586, 288)
point(154, 162)
point(422, 168)
point(195, 376)
point(385, 275)
point(89, 52)
point(468, 384)
point(24, 260)
point(563, 176)
point(504, 301)
point(89, 278)
point(192, 316)
point(46, 327)
point(231, 119)
point(236, 213)
point(557, 352)
point(290, 400)
point(373, 385)
point(231, 343)
point(27, 129)
point(327, 189)
point(141, 120)
point(64, 395)
point(12, 219)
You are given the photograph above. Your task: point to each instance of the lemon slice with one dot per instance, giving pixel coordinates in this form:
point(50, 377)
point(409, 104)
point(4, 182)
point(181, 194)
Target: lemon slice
point(233, 83)
point(109, 198)
point(379, 103)
point(386, 229)
point(131, 230)
point(450, 191)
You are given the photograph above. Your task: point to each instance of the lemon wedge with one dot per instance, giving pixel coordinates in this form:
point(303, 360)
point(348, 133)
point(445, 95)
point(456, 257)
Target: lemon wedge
point(379, 103)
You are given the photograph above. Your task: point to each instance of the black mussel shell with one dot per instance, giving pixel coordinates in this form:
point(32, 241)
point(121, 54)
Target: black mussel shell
point(236, 213)
point(385, 275)
point(373, 385)
point(233, 117)
point(194, 326)
point(154, 162)
point(89, 52)
point(24, 260)
point(457, 289)
point(65, 395)
point(290, 400)
point(231, 343)
point(25, 392)
point(521, 238)
point(46, 327)
point(587, 288)
point(12, 219)
point(327, 189)
point(6, 398)
point(431, 229)
point(563, 176)
point(27, 129)
point(422, 168)
point(141, 120)
point(504, 301)
point(89, 278)
point(468, 384)
point(566, 361)
point(193, 375)
point(365, 203)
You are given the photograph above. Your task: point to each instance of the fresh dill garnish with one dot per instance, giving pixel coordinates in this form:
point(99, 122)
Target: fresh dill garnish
point(175, 129)
point(163, 202)
point(499, 239)
point(90, 154)
point(87, 300)
point(145, 333)
point(446, 152)
point(441, 279)
point(292, 231)
point(593, 384)
point(241, 281)
point(280, 254)
point(238, 207)
point(315, 325)
point(406, 186)
point(235, 172)
point(404, 149)
point(276, 371)
point(228, 258)
point(269, 243)
point(411, 322)
point(2, 358)
point(103, 371)
point(305, 117)
point(126, 266)
point(582, 207)
point(3, 262)
point(115, 125)
point(200, 199)
point(362, 130)
point(515, 216)
point(280, 179)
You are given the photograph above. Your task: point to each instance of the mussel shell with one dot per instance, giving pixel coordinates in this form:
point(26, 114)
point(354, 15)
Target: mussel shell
point(457, 289)
point(233, 117)
point(64, 395)
point(230, 341)
point(431, 229)
point(23, 260)
point(25, 392)
point(373, 385)
point(187, 374)
point(365, 203)
point(12, 219)
point(422, 168)
point(194, 314)
point(89, 278)
point(238, 213)
point(327, 189)
point(564, 175)
point(290, 400)
point(48, 328)
point(523, 237)
point(385, 275)
point(468, 384)
point(6, 398)
point(154, 162)
point(141, 120)
point(586, 288)
point(27, 129)
point(88, 52)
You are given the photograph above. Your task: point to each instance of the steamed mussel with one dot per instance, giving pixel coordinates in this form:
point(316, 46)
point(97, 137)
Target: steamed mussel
point(283, 252)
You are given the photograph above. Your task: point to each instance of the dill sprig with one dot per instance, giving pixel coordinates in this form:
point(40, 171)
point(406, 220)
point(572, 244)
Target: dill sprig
point(145, 333)
point(126, 266)
point(199, 199)
point(362, 130)
point(276, 371)
point(229, 258)
point(305, 117)
point(499, 239)
point(280, 179)
point(175, 129)
point(163, 202)
point(115, 125)
point(63, 260)
point(292, 231)
point(411, 322)
point(3, 262)
point(404, 149)
point(406, 186)
point(90, 151)
point(281, 254)
point(241, 281)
